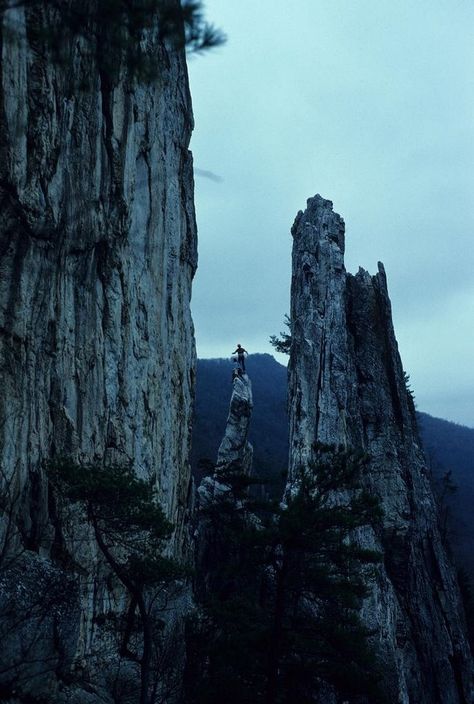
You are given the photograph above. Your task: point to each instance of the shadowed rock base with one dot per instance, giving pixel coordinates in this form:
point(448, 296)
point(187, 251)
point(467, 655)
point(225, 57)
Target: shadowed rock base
point(234, 458)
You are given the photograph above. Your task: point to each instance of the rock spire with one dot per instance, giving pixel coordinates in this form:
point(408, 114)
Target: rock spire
point(235, 452)
point(347, 387)
point(234, 458)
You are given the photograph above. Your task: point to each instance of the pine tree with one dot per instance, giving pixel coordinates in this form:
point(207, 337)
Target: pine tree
point(282, 344)
point(282, 619)
point(131, 531)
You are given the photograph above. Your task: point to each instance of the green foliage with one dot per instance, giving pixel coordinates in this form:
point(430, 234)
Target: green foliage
point(199, 35)
point(117, 31)
point(131, 531)
point(129, 525)
point(322, 572)
point(449, 446)
point(282, 344)
point(467, 594)
point(410, 394)
point(281, 616)
point(113, 493)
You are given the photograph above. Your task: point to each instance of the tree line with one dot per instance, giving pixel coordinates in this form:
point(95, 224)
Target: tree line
point(278, 591)
point(281, 589)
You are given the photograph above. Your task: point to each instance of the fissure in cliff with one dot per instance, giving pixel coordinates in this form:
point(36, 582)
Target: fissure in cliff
point(347, 387)
point(98, 251)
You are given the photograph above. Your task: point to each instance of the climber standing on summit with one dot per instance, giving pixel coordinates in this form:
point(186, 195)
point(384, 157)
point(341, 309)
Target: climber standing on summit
point(240, 352)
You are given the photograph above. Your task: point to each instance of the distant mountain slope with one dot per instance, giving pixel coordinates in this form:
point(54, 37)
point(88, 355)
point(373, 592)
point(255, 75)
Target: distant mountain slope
point(448, 446)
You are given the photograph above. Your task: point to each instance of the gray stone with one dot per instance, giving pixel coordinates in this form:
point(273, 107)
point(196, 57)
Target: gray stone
point(347, 387)
point(97, 256)
point(235, 452)
point(215, 492)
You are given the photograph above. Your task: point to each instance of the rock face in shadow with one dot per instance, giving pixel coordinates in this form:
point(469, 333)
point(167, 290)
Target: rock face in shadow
point(347, 387)
point(97, 256)
point(235, 452)
point(216, 492)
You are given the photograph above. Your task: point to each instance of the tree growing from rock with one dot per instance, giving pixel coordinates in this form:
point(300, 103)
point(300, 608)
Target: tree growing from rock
point(282, 344)
point(130, 531)
point(281, 622)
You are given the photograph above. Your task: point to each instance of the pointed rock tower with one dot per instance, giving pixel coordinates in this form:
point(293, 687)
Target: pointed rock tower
point(347, 386)
point(234, 458)
point(235, 452)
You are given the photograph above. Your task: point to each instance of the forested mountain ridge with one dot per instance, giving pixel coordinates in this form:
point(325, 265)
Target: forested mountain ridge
point(449, 449)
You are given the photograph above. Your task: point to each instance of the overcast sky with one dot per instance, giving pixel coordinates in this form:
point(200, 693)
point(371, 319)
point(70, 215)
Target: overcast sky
point(371, 104)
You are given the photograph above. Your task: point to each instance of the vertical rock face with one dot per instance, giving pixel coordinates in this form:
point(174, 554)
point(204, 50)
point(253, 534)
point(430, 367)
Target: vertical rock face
point(97, 255)
point(215, 492)
point(235, 452)
point(98, 250)
point(347, 386)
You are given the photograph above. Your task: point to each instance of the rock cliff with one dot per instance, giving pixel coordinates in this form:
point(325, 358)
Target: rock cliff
point(97, 255)
point(347, 387)
point(235, 452)
point(217, 491)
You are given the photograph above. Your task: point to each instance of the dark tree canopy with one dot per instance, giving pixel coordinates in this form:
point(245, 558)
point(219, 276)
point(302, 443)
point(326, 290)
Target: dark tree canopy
point(117, 31)
point(280, 619)
point(131, 531)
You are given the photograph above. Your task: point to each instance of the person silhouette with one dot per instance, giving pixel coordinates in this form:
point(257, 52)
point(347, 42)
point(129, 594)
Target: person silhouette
point(241, 352)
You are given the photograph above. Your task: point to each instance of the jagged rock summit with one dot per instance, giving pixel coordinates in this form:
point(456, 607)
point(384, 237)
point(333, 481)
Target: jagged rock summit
point(235, 452)
point(234, 457)
point(347, 387)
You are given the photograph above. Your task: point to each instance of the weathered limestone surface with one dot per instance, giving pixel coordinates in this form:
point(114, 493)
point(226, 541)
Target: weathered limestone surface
point(215, 492)
point(346, 386)
point(97, 255)
point(235, 452)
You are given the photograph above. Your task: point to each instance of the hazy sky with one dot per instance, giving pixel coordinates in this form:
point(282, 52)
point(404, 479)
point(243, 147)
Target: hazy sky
point(371, 104)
